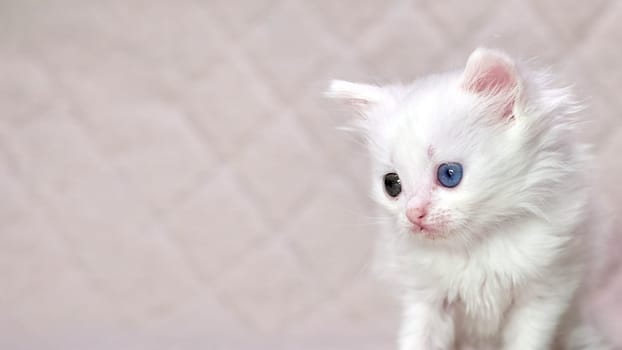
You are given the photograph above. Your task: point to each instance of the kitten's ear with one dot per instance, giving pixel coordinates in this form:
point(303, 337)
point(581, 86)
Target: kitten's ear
point(356, 94)
point(489, 71)
point(492, 74)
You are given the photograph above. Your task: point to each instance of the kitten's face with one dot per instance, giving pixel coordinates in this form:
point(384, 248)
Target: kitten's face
point(450, 160)
point(442, 167)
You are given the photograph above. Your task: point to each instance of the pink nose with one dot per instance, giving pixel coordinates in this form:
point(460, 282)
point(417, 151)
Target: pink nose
point(416, 215)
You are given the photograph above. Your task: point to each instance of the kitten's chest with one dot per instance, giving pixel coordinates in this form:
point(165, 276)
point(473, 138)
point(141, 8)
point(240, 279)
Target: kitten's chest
point(478, 323)
point(478, 301)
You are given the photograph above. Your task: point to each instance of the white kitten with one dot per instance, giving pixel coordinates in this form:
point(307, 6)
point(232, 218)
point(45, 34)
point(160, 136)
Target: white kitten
point(483, 179)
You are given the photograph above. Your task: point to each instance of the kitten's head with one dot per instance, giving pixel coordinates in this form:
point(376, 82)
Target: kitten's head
point(457, 155)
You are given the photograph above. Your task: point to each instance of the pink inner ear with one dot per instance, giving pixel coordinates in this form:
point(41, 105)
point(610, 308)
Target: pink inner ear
point(495, 78)
point(493, 74)
point(489, 72)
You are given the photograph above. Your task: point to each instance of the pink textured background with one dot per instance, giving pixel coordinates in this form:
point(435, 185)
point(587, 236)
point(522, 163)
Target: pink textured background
point(170, 177)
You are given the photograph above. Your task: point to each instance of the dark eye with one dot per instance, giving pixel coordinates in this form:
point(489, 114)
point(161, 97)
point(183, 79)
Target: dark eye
point(392, 184)
point(449, 174)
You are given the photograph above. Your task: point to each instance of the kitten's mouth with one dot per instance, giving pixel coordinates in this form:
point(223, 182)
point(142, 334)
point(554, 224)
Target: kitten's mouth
point(423, 229)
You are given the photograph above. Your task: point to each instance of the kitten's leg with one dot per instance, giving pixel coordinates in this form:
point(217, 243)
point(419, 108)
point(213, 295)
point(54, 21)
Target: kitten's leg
point(533, 321)
point(584, 337)
point(426, 327)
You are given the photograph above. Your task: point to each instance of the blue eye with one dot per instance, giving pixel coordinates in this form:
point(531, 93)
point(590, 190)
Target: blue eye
point(449, 174)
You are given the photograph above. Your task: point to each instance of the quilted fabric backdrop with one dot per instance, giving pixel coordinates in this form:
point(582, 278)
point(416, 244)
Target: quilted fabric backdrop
point(171, 178)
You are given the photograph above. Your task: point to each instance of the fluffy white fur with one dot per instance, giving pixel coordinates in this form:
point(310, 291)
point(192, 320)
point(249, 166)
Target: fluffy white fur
point(505, 265)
